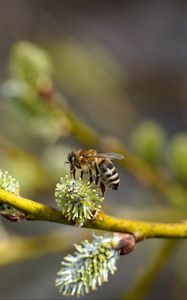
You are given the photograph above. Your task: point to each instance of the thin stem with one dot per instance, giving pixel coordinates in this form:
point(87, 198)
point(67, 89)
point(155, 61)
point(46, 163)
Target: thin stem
point(141, 230)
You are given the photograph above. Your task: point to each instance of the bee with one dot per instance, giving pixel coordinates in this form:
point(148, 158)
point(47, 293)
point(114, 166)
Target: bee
point(99, 166)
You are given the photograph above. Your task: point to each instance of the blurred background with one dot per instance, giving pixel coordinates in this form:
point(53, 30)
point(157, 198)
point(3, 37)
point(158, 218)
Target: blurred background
point(120, 67)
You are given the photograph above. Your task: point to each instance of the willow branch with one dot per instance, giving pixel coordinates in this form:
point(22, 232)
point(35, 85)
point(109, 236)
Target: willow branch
point(40, 212)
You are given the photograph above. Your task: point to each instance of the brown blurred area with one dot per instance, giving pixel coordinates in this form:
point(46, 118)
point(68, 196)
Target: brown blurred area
point(117, 63)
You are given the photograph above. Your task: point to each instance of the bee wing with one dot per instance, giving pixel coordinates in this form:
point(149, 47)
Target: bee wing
point(110, 155)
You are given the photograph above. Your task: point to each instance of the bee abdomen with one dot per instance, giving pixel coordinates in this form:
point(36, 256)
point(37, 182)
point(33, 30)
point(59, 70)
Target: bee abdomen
point(109, 175)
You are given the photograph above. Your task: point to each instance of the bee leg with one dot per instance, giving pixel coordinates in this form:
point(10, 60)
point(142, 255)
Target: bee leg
point(72, 172)
point(97, 175)
point(91, 176)
point(82, 174)
point(102, 187)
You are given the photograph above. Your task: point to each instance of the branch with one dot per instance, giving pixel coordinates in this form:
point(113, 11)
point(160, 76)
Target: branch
point(141, 230)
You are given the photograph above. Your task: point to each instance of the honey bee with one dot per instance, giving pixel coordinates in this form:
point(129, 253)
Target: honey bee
point(99, 166)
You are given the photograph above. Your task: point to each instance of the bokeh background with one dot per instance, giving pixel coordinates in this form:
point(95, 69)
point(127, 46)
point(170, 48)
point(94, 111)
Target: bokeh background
point(116, 64)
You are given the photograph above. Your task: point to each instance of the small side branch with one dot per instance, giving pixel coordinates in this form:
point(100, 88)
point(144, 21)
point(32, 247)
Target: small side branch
point(140, 229)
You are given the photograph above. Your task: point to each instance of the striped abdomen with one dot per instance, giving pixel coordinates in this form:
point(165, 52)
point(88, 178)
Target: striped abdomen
point(108, 173)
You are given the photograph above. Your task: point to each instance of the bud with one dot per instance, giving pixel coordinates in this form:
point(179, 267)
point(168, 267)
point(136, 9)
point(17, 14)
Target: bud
point(125, 242)
point(148, 141)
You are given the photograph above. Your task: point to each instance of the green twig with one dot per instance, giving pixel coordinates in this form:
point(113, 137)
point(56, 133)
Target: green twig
point(39, 212)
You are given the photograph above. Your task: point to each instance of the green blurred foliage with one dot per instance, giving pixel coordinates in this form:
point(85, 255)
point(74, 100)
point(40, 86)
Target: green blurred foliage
point(178, 156)
point(177, 196)
point(26, 174)
point(117, 63)
point(30, 63)
point(30, 88)
point(148, 141)
point(85, 69)
point(87, 74)
point(92, 78)
point(55, 157)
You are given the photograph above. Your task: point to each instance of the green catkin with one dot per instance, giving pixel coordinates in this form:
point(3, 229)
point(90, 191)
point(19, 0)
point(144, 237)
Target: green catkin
point(77, 200)
point(9, 184)
point(88, 268)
